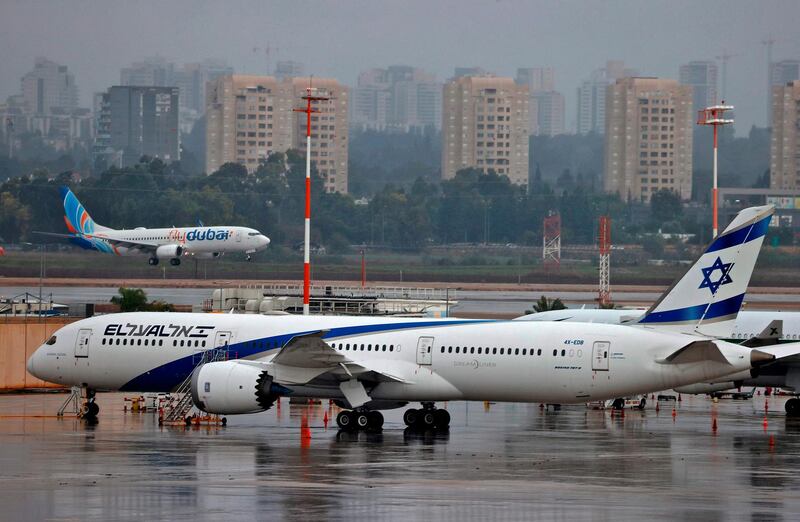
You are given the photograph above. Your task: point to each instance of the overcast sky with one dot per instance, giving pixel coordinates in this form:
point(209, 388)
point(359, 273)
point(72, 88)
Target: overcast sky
point(96, 38)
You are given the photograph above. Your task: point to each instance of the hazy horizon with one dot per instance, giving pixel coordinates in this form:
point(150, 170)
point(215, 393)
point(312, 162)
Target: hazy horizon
point(96, 39)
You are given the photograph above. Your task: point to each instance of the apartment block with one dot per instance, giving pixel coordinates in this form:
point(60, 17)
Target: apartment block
point(546, 105)
point(135, 122)
point(250, 117)
point(485, 124)
point(780, 73)
point(648, 137)
point(785, 147)
point(49, 86)
point(591, 113)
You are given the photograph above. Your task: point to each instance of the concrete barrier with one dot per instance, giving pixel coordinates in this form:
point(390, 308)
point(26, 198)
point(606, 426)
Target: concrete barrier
point(19, 338)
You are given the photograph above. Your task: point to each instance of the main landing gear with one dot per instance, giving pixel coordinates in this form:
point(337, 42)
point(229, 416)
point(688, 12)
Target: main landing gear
point(249, 257)
point(792, 407)
point(427, 418)
point(153, 261)
point(175, 261)
point(359, 420)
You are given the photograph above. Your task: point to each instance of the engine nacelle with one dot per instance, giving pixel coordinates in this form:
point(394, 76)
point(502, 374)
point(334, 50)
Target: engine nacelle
point(231, 387)
point(165, 251)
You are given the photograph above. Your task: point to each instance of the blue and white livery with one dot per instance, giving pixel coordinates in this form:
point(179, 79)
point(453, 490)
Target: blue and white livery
point(158, 243)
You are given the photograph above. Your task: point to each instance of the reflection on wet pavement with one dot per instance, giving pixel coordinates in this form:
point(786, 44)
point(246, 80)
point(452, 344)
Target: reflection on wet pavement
point(510, 462)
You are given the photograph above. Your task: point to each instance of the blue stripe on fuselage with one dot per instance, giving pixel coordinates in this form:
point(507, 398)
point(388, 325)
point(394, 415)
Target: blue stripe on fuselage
point(168, 376)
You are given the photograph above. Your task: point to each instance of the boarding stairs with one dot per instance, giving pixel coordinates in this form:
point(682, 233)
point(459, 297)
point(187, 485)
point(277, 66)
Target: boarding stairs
point(182, 403)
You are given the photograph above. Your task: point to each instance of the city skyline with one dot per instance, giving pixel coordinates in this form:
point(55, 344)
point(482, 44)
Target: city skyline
point(346, 38)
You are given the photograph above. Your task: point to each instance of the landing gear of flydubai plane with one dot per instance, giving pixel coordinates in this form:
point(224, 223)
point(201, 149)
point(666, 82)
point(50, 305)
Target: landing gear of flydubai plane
point(175, 261)
point(249, 257)
point(354, 420)
point(153, 261)
point(429, 417)
point(793, 407)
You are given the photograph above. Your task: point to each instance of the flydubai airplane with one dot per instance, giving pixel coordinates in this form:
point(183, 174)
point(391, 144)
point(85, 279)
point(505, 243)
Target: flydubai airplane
point(158, 243)
point(371, 364)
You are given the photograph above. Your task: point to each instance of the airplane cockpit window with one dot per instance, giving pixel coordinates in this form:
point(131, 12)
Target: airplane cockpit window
point(251, 234)
point(51, 341)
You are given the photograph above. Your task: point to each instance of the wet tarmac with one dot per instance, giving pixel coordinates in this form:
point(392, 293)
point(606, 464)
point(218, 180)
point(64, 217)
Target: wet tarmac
point(507, 462)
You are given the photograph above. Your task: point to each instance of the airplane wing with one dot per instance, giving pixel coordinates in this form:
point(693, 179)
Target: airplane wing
point(307, 357)
point(788, 353)
point(142, 246)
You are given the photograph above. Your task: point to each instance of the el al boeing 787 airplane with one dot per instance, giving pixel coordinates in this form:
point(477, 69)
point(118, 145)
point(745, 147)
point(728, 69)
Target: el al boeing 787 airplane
point(158, 243)
point(371, 364)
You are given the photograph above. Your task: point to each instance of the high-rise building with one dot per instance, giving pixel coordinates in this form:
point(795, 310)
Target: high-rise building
point(591, 115)
point(134, 122)
point(785, 146)
point(48, 86)
point(648, 138)
point(485, 125)
point(702, 76)
point(251, 117)
point(288, 69)
point(190, 79)
point(780, 74)
point(546, 105)
point(460, 72)
point(398, 97)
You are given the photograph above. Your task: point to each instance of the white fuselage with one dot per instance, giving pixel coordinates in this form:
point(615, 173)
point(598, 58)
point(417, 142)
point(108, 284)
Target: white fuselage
point(469, 360)
point(191, 240)
point(749, 323)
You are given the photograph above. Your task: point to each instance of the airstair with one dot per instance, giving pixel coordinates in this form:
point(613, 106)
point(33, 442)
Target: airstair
point(178, 413)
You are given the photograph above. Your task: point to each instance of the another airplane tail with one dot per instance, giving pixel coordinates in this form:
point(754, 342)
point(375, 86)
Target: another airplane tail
point(707, 298)
point(76, 217)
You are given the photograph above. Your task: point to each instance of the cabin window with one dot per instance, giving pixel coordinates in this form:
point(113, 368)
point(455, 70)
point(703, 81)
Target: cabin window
point(138, 342)
point(563, 353)
point(161, 342)
point(480, 350)
point(204, 344)
point(146, 342)
point(472, 349)
point(384, 347)
point(449, 349)
point(524, 351)
point(538, 352)
point(362, 347)
point(442, 349)
point(118, 341)
point(391, 347)
point(181, 342)
point(502, 351)
point(516, 351)
point(555, 352)
point(494, 351)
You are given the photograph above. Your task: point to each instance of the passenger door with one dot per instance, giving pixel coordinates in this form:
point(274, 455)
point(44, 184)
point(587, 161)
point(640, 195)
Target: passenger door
point(222, 341)
point(601, 353)
point(425, 350)
point(82, 343)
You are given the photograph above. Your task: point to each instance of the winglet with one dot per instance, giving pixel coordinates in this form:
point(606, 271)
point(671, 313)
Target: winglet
point(707, 298)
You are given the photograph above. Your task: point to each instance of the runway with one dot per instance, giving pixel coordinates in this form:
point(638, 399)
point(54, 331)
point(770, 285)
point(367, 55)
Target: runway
point(498, 302)
point(510, 462)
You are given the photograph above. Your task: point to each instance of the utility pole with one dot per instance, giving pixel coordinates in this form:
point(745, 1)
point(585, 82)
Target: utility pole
point(714, 116)
point(604, 243)
point(312, 96)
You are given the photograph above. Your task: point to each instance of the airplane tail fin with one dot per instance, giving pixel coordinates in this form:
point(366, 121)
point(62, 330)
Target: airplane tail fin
point(76, 217)
point(707, 298)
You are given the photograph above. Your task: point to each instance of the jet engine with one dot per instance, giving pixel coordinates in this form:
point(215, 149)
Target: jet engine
point(165, 251)
point(231, 387)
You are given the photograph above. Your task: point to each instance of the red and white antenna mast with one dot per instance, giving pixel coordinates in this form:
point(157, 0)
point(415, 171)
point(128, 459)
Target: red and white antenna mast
point(312, 95)
point(715, 116)
point(604, 244)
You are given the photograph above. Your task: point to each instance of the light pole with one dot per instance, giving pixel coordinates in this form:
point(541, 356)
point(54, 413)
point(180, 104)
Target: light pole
point(714, 116)
point(311, 95)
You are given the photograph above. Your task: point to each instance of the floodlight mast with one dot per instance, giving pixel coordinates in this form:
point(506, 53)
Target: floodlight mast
point(312, 95)
point(714, 116)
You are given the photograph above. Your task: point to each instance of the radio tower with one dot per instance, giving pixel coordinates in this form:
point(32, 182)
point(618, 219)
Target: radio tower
point(312, 96)
point(604, 243)
point(551, 240)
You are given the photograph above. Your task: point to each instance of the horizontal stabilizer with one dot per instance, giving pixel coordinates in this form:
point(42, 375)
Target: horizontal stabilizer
point(696, 351)
point(768, 336)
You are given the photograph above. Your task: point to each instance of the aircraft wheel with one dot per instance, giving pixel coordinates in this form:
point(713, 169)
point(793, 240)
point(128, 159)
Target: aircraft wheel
point(175, 261)
point(249, 258)
point(410, 417)
point(153, 261)
point(427, 419)
point(442, 419)
point(792, 407)
point(375, 420)
point(91, 409)
point(362, 420)
point(642, 403)
point(345, 420)
point(618, 404)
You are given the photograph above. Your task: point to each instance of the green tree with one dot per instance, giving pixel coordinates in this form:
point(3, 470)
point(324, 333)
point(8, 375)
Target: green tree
point(131, 299)
point(665, 205)
point(544, 304)
point(14, 217)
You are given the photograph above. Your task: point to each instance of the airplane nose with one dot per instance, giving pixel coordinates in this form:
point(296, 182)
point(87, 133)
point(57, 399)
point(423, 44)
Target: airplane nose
point(31, 365)
point(264, 240)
